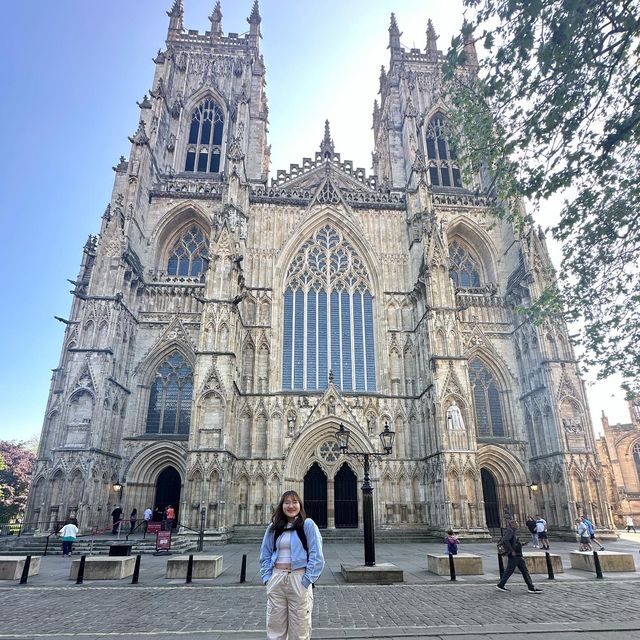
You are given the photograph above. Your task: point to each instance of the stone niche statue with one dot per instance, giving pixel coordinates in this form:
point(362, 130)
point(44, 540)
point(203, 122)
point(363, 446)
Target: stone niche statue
point(455, 421)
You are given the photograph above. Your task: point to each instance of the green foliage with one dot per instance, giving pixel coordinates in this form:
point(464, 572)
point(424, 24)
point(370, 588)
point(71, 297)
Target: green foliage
point(555, 108)
point(15, 476)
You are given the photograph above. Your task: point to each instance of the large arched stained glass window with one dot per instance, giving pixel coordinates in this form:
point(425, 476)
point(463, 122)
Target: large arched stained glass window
point(204, 146)
point(464, 271)
point(189, 255)
point(487, 401)
point(636, 457)
point(170, 399)
point(328, 317)
point(441, 154)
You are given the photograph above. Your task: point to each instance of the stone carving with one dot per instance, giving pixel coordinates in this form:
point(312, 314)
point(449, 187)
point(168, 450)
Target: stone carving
point(454, 417)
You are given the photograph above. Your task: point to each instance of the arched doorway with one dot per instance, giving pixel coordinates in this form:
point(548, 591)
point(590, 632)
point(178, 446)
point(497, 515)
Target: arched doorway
point(346, 498)
point(315, 495)
point(491, 504)
point(168, 490)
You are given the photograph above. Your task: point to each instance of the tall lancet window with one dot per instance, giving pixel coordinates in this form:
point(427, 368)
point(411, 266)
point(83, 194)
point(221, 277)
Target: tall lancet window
point(636, 457)
point(189, 254)
point(487, 400)
point(464, 269)
point(328, 317)
point(204, 146)
point(441, 154)
point(170, 399)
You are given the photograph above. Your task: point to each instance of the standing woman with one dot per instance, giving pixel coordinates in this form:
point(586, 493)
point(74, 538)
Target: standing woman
point(133, 518)
point(68, 533)
point(291, 561)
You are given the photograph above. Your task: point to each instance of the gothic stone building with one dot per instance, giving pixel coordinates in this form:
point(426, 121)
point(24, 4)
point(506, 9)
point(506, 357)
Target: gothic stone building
point(224, 324)
point(619, 452)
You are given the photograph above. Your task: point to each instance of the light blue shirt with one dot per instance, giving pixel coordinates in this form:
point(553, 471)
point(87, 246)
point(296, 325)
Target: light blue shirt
point(313, 565)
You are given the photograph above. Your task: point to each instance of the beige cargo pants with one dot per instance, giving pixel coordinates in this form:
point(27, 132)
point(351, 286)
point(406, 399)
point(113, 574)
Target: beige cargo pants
point(289, 606)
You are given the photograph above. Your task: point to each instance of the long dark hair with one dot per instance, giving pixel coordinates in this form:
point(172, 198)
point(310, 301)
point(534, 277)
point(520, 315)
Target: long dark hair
point(279, 520)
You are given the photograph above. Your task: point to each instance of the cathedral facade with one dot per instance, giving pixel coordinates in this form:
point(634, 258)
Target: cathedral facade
point(224, 323)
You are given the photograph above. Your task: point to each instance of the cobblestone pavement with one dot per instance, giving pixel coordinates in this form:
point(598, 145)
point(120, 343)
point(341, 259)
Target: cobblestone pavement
point(575, 606)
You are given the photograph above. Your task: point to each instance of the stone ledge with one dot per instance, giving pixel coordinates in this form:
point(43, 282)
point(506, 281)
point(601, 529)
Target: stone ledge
point(104, 568)
point(11, 567)
point(537, 563)
point(610, 561)
point(466, 564)
point(204, 567)
point(384, 573)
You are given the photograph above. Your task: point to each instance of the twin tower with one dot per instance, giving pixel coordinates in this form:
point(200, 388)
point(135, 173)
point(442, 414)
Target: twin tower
point(224, 323)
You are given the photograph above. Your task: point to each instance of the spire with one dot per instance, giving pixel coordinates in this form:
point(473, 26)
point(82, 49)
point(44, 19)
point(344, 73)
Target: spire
point(326, 146)
point(432, 42)
point(216, 21)
point(175, 19)
point(394, 34)
point(471, 56)
point(254, 21)
point(383, 78)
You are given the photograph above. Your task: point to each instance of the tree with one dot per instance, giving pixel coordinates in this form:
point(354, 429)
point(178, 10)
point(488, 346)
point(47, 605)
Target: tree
point(15, 476)
point(554, 108)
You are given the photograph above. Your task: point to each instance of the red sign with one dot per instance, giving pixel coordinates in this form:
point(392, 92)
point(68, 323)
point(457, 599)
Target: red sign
point(163, 540)
point(154, 527)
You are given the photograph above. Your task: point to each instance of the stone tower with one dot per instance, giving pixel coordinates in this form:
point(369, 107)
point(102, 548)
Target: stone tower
point(223, 324)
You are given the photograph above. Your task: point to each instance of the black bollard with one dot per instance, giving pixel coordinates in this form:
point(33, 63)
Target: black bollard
point(136, 571)
point(549, 566)
point(25, 570)
point(596, 562)
point(243, 569)
point(500, 565)
point(452, 567)
point(190, 569)
point(80, 577)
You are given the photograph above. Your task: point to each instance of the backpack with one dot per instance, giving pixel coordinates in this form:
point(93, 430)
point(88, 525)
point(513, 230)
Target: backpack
point(502, 549)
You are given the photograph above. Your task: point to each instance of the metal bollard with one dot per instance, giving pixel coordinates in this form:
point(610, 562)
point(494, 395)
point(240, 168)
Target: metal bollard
point(136, 571)
point(190, 569)
point(80, 577)
point(25, 570)
point(452, 567)
point(596, 562)
point(500, 565)
point(550, 573)
point(243, 569)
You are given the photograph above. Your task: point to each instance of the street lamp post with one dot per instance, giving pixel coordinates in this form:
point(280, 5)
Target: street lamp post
point(386, 437)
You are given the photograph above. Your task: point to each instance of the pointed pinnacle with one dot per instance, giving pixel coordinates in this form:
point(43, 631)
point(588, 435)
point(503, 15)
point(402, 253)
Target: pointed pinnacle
point(216, 15)
point(177, 9)
point(432, 38)
point(327, 132)
point(255, 18)
point(393, 27)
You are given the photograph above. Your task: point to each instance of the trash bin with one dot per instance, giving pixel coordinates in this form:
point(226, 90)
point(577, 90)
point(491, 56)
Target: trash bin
point(120, 549)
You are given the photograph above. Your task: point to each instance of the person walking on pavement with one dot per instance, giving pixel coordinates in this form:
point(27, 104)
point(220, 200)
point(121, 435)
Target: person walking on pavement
point(533, 530)
point(116, 515)
point(452, 542)
point(630, 524)
point(513, 549)
point(582, 530)
point(541, 530)
point(592, 532)
point(147, 515)
point(291, 560)
point(133, 518)
point(68, 533)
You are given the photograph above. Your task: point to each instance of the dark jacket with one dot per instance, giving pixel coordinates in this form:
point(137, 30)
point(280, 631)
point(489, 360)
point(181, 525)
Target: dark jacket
point(531, 525)
point(511, 541)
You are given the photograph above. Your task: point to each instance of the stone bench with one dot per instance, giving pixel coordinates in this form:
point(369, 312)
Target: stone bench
point(610, 561)
point(11, 567)
point(537, 563)
point(204, 567)
point(383, 573)
point(104, 567)
point(467, 564)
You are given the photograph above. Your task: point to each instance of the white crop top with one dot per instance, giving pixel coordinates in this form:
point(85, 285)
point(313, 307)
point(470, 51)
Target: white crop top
point(284, 549)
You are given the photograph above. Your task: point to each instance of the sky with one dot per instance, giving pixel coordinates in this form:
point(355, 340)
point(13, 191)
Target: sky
point(72, 75)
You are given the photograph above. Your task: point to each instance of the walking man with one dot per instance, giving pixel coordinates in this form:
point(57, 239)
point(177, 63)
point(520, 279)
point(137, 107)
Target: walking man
point(541, 529)
point(630, 524)
point(116, 516)
point(147, 518)
point(513, 548)
point(592, 532)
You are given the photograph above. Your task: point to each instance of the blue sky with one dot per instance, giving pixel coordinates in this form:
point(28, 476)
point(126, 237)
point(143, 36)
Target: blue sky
point(72, 75)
